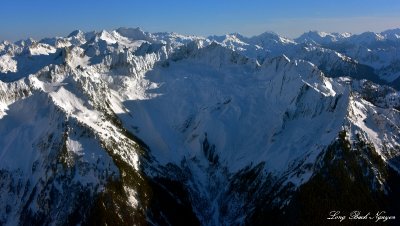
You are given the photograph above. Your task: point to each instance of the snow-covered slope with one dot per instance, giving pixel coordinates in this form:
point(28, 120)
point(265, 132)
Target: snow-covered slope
point(121, 127)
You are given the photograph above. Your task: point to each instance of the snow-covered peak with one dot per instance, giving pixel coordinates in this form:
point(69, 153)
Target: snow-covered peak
point(174, 40)
point(366, 38)
point(106, 36)
point(135, 34)
point(270, 38)
point(300, 72)
point(319, 37)
point(212, 54)
point(26, 42)
point(76, 33)
point(229, 39)
point(393, 34)
point(41, 49)
point(4, 43)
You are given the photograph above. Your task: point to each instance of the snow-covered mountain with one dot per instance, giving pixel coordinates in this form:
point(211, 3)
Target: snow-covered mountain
point(127, 127)
point(380, 51)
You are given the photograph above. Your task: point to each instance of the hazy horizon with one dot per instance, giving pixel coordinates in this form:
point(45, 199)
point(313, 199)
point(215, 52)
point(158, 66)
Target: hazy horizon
point(22, 19)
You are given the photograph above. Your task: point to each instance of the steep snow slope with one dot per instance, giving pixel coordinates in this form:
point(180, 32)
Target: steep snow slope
point(220, 111)
point(57, 142)
point(45, 157)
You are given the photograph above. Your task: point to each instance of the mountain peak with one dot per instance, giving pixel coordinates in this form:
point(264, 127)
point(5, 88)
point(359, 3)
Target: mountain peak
point(367, 37)
point(270, 38)
point(393, 34)
point(134, 34)
point(75, 33)
point(320, 37)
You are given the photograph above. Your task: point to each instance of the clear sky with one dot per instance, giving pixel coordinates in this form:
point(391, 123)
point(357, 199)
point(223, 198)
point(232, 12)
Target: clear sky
point(20, 19)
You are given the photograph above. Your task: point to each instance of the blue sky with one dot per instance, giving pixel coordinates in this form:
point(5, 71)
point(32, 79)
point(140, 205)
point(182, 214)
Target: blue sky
point(20, 19)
